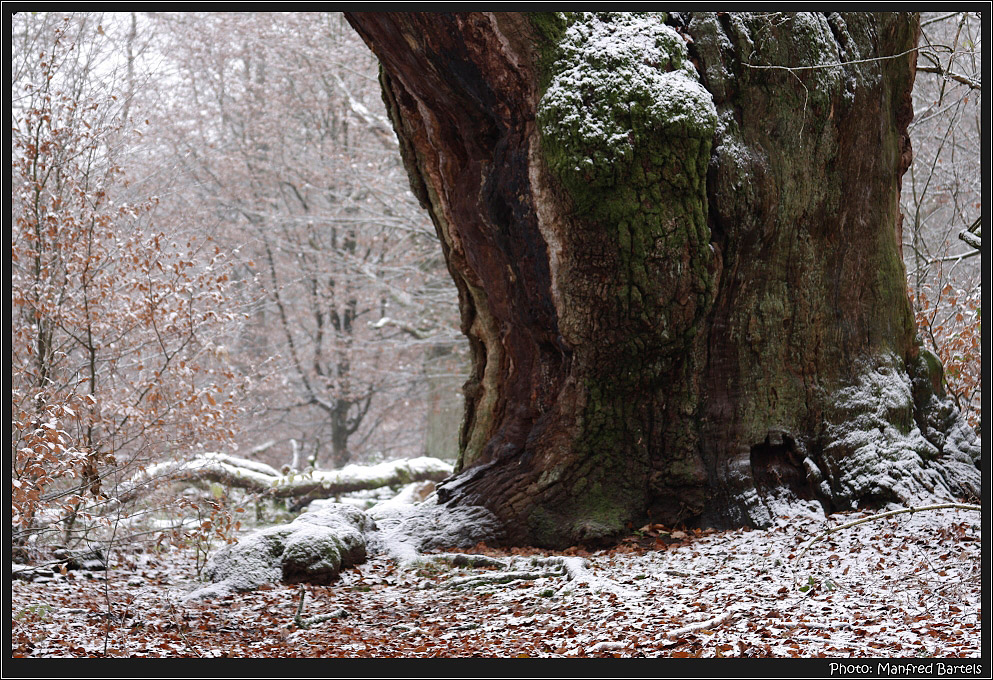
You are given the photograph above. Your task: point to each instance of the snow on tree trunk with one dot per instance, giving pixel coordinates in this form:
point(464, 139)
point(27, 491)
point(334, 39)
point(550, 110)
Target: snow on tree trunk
point(676, 240)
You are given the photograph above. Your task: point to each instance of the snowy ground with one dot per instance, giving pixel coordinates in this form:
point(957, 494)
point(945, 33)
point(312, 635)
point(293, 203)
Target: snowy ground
point(908, 586)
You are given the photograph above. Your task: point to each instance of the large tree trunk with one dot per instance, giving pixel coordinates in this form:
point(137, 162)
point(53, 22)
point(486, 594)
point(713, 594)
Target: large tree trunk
point(677, 252)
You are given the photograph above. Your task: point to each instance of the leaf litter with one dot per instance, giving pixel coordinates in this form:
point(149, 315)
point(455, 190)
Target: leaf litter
point(906, 586)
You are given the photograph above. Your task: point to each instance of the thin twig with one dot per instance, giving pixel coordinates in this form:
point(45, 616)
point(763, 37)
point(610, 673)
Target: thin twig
point(703, 625)
point(831, 65)
point(884, 515)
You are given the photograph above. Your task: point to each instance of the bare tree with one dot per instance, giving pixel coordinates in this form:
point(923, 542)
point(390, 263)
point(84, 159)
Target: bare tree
point(116, 309)
point(272, 119)
point(942, 201)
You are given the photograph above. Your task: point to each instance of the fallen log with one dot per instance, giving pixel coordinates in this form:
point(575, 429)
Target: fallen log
point(268, 482)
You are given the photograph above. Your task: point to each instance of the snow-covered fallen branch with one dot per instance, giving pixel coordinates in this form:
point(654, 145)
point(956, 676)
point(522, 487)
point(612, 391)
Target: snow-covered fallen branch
point(300, 622)
point(268, 482)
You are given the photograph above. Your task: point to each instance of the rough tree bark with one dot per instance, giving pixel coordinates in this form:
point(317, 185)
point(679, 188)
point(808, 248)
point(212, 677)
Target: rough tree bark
point(676, 244)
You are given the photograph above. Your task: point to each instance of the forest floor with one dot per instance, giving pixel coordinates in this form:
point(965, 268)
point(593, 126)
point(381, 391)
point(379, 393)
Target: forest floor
point(907, 586)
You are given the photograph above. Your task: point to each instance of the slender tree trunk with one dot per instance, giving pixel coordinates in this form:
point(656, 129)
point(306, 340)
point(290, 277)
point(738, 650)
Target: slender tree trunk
point(340, 455)
point(676, 244)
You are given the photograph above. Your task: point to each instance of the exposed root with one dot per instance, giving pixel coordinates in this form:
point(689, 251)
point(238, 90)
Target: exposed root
point(574, 569)
point(577, 573)
point(464, 560)
point(708, 624)
point(305, 623)
point(500, 577)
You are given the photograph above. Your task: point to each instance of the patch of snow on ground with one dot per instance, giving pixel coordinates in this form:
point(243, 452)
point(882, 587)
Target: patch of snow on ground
point(905, 586)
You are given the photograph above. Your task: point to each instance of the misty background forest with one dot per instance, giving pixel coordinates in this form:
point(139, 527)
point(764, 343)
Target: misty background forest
point(223, 286)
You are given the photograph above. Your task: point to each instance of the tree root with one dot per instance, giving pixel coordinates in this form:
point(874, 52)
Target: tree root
point(305, 623)
point(703, 625)
point(465, 560)
point(574, 569)
point(500, 577)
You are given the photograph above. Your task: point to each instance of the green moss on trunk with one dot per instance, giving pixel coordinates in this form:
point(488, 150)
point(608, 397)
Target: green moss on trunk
point(627, 130)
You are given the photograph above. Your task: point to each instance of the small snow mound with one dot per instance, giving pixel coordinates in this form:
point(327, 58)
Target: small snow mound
point(245, 565)
point(313, 548)
point(331, 515)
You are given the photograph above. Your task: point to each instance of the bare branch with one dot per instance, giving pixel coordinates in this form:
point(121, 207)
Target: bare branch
point(973, 240)
point(884, 515)
point(965, 80)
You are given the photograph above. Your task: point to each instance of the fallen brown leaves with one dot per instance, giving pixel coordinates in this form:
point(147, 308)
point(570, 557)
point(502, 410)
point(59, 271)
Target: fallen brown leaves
point(912, 589)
